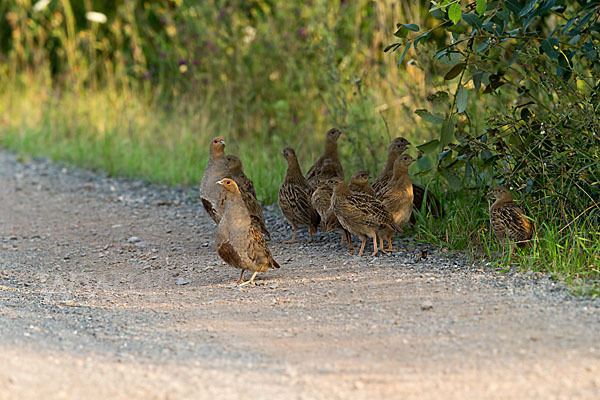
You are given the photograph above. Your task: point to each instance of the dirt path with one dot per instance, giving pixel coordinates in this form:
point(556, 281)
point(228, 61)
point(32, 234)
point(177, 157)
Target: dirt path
point(112, 289)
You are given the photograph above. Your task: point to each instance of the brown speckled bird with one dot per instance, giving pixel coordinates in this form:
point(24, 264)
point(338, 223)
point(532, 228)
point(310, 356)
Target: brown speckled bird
point(509, 220)
point(359, 213)
point(238, 241)
point(328, 170)
point(330, 152)
point(397, 196)
point(359, 182)
point(295, 197)
point(321, 202)
point(396, 147)
point(215, 170)
point(236, 172)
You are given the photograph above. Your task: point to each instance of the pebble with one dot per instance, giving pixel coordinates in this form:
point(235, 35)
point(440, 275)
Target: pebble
point(182, 281)
point(133, 239)
point(427, 305)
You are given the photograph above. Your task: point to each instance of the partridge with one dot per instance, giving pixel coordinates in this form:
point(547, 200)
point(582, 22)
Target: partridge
point(359, 182)
point(396, 147)
point(397, 196)
point(239, 243)
point(236, 172)
point(328, 170)
point(329, 153)
point(321, 202)
point(295, 197)
point(359, 213)
point(215, 170)
point(509, 221)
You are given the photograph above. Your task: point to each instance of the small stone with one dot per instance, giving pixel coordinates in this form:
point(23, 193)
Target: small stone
point(182, 281)
point(274, 286)
point(133, 239)
point(146, 267)
point(427, 305)
point(205, 244)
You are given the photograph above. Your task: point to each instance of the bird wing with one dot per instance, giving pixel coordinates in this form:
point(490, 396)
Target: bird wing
point(297, 200)
point(212, 212)
point(363, 208)
point(258, 251)
point(229, 255)
point(511, 219)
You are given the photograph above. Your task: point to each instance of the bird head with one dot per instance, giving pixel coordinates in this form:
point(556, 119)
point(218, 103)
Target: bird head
point(333, 135)
point(405, 160)
point(361, 177)
point(234, 163)
point(229, 185)
point(501, 193)
point(217, 145)
point(333, 182)
point(288, 153)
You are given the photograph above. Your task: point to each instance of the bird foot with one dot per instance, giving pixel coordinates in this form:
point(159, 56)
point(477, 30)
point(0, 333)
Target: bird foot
point(373, 254)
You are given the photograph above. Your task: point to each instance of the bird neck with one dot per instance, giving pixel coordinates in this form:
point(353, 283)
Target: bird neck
point(389, 164)
point(502, 201)
point(401, 177)
point(331, 148)
point(341, 189)
point(215, 154)
point(293, 169)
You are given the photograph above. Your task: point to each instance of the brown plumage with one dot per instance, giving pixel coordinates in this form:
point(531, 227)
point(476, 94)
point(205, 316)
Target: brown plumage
point(246, 187)
point(328, 170)
point(295, 197)
point(239, 243)
point(321, 202)
point(508, 219)
point(396, 147)
point(359, 182)
point(359, 213)
point(330, 152)
point(215, 170)
point(397, 196)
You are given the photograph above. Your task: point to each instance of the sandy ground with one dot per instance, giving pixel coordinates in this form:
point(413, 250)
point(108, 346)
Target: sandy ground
point(113, 289)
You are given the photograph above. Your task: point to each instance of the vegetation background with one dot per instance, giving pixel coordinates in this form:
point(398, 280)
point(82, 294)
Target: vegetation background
point(139, 88)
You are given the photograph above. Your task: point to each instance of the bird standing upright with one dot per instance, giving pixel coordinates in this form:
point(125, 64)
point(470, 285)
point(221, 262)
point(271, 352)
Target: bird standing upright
point(396, 147)
point(246, 187)
point(359, 182)
point(509, 220)
point(215, 170)
point(295, 197)
point(239, 243)
point(330, 152)
point(397, 196)
point(359, 213)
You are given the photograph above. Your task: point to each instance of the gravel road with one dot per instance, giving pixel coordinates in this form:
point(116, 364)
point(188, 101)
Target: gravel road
point(111, 288)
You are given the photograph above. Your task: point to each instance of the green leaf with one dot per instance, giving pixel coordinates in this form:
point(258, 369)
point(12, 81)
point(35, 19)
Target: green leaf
point(473, 20)
point(454, 71)
point(454, 13)
point(421, 37)
point(528, 7)
point(429, 146)
point(429, 117)
point(404, 53)
point(438, 97)
point(411, 27)
point(401, 32)
point(481, 7)
point(447, 131)
point(393, 46)
point(550, 47)
point(461, 99)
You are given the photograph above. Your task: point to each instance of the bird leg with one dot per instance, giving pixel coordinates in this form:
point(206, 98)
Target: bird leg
point(250, 282)
point(381, 244)
point(391, 247)
point(241, 276)
point(293, 240)
point(349, 240)
point(343, 238)
point(362, 245)
point(374, 246)
point(311, 230)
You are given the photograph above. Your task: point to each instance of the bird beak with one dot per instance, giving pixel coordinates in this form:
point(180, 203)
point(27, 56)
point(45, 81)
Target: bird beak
point(220, 182)
point(222, 142)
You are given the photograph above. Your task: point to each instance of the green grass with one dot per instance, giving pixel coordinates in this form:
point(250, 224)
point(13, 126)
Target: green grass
point(570, 253)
